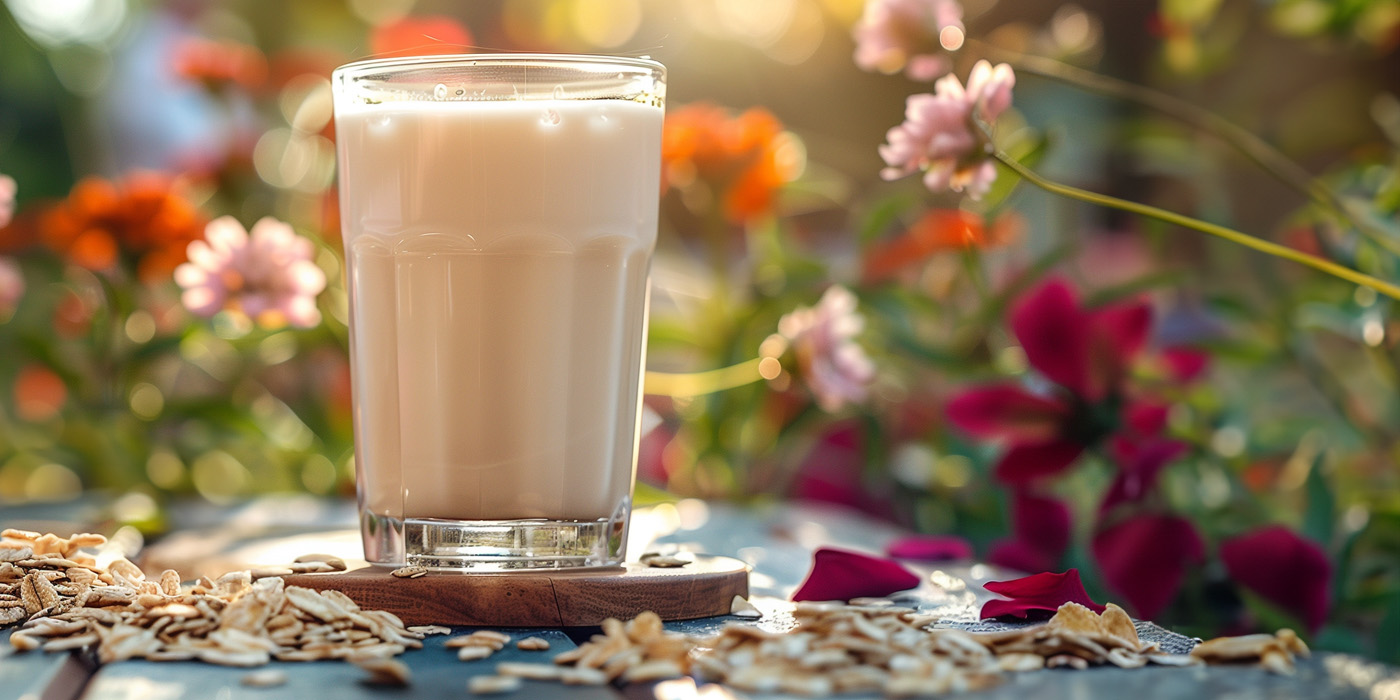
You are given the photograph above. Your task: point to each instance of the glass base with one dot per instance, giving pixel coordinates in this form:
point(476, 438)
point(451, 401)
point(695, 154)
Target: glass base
point(494, 545)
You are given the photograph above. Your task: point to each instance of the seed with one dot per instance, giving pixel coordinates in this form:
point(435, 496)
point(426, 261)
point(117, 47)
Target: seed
point(493, 685)
point(474, 653)
point(383, 671)
point(409, 572)
point(265, 678)
point(532, 644)
point(666, 562)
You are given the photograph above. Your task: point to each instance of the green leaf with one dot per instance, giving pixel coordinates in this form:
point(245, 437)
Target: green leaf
point(1319, 520)
point(1388, 636)
point(883, 215)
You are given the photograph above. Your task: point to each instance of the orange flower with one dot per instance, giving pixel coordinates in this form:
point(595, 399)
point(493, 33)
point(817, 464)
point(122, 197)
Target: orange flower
point(219, 63)
point(39, 394)
point(142, 221)
point(745, 159)
point(420, 36)
point(938, 231)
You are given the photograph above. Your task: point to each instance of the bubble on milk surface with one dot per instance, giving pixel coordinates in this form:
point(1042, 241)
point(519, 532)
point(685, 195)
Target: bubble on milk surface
point(440, 92)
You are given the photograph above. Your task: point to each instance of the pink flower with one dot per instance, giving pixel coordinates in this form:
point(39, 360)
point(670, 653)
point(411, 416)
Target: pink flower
point(940, 137)
point(11, 287)
point(1284, 569)
point(7, 199)
point(835, 368)
point(267, 275)
point(908, 35)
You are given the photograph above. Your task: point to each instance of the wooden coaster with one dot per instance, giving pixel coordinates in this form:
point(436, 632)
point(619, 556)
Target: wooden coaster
point(544, 598)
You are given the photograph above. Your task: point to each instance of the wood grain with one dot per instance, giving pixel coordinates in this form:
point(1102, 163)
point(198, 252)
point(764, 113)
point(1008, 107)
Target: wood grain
point(544, 598)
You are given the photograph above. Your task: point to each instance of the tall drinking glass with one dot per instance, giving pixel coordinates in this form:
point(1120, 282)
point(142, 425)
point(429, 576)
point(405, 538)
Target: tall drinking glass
point(499, 216)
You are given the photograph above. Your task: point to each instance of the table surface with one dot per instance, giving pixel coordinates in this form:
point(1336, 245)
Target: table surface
point(776, 541)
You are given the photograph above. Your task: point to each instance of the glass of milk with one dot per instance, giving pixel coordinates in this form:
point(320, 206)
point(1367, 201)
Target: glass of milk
point(499, 216)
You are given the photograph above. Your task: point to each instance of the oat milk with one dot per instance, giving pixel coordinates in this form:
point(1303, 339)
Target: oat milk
point(497, 256)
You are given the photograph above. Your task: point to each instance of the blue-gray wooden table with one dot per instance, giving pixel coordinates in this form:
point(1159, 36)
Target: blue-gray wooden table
point(777, 542)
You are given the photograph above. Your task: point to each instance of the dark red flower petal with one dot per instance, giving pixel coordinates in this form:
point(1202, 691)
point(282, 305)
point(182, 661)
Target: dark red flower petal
point(1145, 558)
point(1140, 463)
point(1123, 329)
point(1284, 569)
point(930, 548)
point(1041, 522)
point(1054, 333)
point(1025, 462)
point(1007, 412)
point(1015, 554)
point(1146, 419)
point(1044, 591)
point(1186, 364)
point(838, 574)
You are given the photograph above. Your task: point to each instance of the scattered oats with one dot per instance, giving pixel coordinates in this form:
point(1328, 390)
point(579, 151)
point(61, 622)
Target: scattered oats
point(265, 678)
point(383, 671)
point(269, 572)
point(323, 558)
point(537, 672)
point(474, 653)
point(409, 572)
point(66, 601)
point(1273, 652)
point(666, 562)
point(532, 644)
point(430, 629)
point(741, 607)
point(493, 685)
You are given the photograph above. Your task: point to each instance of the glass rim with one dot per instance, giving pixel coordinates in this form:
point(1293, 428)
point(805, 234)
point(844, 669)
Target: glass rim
point(468, 60)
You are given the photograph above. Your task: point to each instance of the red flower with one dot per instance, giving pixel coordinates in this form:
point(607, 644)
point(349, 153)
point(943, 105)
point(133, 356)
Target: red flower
point(1284, 569)
point(1145, 558)
point(1040, 534)
point(1037, 593)
point(838, 574)
point(1086, 353)
point(930, 548)
point(420, 36)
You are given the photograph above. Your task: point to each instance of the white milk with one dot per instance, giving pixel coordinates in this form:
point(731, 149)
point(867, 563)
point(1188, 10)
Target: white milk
point(497, 255)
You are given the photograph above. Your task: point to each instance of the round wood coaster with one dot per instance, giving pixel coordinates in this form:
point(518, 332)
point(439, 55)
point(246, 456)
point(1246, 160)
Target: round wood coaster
point(543, 598)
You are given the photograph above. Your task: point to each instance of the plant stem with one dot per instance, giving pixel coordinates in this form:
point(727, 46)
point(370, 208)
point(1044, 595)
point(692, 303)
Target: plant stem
point(1257, 150)
point(1228, 234)
point(698, 383)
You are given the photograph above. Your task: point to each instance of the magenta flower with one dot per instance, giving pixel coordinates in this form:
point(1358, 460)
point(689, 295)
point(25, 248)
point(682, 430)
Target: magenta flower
point(1144, 559)
point(1284, 569)
point(908, 35)
point(838, 574)
point(8, 188)
point(834, 367)
point(11, 287)
point(268, 275)
point(1086, 354)
point(940, 136)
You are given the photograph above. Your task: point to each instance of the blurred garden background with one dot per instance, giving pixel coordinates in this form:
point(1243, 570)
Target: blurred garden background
point(1209, 434)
